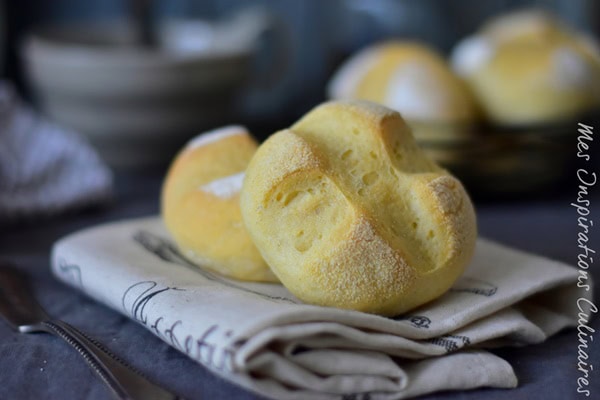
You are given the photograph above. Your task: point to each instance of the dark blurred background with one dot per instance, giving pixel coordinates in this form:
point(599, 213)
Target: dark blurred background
point(323, 33)
point(268, 85)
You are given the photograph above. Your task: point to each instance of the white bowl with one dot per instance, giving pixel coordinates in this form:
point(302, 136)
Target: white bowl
point(135, 105)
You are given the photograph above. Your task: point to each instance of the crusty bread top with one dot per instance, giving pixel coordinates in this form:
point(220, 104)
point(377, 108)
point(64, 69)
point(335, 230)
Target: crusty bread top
point(383, 136)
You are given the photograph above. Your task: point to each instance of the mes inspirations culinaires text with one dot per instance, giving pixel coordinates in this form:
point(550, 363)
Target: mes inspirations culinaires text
point(586, 179)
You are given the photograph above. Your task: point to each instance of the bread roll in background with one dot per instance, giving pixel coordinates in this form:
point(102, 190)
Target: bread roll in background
point(527, 68)
point(200, 204)
point(349, 212)
point(414, 80)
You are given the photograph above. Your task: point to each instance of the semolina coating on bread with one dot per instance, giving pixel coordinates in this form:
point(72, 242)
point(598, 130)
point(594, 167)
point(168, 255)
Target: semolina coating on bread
point(200, 204)
point(349, 213)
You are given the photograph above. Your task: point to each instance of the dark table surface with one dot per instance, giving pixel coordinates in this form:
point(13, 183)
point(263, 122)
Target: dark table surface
point(41, 367)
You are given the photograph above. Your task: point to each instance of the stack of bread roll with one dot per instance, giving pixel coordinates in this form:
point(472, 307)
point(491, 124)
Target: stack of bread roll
point(343, 208)
point(501, 110)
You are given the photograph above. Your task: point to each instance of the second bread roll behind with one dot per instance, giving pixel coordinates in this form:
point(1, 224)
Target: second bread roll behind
point(200, 204)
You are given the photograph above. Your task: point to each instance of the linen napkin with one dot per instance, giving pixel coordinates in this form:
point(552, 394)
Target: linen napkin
point(44, 169)
point(260, 337)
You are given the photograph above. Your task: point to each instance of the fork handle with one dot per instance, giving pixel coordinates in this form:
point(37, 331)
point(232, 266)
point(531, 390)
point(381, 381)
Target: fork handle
point(124, 382)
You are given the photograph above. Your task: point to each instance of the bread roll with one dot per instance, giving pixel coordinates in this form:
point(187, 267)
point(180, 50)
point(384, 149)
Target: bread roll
point(200, 204)
point(528, 69)
point(413, 80)
point(349, 213)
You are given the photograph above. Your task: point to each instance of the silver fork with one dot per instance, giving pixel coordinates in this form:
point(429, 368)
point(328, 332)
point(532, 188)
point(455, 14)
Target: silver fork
point(23, 313)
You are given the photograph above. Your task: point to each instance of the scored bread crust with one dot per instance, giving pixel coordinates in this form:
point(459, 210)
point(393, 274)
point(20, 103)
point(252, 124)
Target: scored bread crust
point(200, 204)
point(349, 213)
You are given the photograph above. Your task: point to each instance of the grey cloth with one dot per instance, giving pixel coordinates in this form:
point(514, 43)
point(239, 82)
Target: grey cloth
point(44, 169)
point(262, 338)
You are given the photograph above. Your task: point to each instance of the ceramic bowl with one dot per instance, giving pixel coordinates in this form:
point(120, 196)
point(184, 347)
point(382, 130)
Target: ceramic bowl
point(137, 106)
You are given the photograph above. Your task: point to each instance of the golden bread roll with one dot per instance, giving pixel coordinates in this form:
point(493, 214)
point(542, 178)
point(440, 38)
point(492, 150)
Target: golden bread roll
point(529, 69)
point(413, 80)
point(349, 213)
point(200, 204)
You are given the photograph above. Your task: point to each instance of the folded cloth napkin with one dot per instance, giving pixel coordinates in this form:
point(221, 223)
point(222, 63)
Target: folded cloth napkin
point(262, 338)
point(44, 169)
